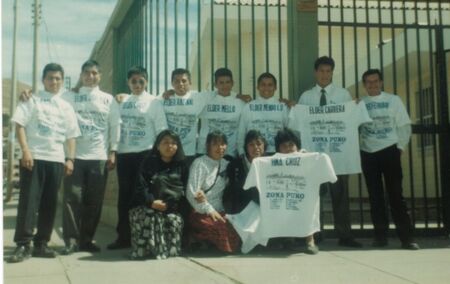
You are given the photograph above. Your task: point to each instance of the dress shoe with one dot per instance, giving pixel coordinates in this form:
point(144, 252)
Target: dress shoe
point(311, 249)
point(42, 250)
point(119, 245)
point(350, 243)
point(89, 247)
point(69, 249)
point(21, 253)
point(379, 243)
point(410, 246)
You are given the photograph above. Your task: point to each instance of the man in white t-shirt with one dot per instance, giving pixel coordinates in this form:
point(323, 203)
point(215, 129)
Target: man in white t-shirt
point(326, 93)
point(382, 143)
point(44, 123)
point(99, 120)
point(265, 114)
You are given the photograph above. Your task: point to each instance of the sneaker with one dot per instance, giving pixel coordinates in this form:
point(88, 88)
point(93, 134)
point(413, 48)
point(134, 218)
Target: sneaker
point(410, 246)
point(118, 244)
point(311, 249)
point(42, 250)
point(21, 253)
point(89, 247)
point(350, 243)
point(379, 243)
point(69, 249)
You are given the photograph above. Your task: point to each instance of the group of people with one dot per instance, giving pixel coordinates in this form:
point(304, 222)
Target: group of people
point(179, 183)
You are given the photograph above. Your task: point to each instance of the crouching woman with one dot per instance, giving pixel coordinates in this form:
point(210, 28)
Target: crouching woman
point(155, 220)
point(207, 181)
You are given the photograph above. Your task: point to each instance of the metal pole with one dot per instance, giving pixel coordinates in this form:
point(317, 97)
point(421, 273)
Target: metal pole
point(36, 19)
point(12, 107)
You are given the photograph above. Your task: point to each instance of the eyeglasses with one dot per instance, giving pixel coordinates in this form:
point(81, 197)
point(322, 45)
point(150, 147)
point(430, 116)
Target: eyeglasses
point(140, 82)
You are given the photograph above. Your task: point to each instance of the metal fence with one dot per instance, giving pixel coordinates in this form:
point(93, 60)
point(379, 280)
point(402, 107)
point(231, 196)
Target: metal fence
point(408, 40)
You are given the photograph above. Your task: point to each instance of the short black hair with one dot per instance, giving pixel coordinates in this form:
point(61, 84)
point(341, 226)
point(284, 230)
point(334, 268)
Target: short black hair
point(179, 155)
point(137, 70)
point(223, 72)
point(180, 71)
point(324, 60)
point(251, 136)
point(286, 135)
point(372, 72)
point(267, 75)
point(52, 67)
point(215, 135)
point(90, 63)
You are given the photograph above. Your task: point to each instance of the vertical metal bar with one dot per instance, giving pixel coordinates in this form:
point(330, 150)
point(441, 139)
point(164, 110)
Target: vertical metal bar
point(253, 49)
point(422, 140)
point(226, 32)
point(266, 31)
point(394, 61)
point(380, 36)
point(157, 57)
point(212, 45)
point(166, 57)
point(342, 44)
point(151, 80)
point(280, 52)
point(329, 28)
point(175, 55)
point(368, 35)
point(186, 24)
point(240, 46)
point(199, 41)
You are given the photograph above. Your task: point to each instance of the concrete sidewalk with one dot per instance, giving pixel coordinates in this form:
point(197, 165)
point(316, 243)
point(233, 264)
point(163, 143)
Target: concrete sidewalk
point(332, 265)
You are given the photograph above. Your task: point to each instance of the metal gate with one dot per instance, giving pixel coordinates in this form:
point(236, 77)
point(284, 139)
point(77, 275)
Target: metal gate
point(408, 40)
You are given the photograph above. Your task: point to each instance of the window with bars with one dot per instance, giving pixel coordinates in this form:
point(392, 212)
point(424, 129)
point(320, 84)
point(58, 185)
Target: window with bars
point(425, 115)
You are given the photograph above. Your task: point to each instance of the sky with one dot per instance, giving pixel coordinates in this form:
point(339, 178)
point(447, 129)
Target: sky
point(68, 32)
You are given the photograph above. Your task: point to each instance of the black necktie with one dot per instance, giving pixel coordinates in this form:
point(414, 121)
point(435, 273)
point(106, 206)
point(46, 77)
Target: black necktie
point(323, 98)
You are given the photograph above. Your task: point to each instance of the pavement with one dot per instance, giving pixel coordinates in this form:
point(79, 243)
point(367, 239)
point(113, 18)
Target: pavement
point(333, 264)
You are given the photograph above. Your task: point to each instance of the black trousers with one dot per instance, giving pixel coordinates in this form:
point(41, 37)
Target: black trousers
point(128, 165)
point(38, 196)
point(341, 206)
point(84, 192)
point(386, 164)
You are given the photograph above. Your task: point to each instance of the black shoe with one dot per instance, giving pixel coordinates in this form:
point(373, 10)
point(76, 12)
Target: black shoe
point(69, 249)
point(89, 247)
point(379, 243)
point(21, 253)
point(119, 245)
point(410, 246)
point(42, 250)
point(350, 243)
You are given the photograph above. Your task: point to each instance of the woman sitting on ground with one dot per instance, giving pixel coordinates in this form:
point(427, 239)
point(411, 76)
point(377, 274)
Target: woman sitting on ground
point(207, 181)
point(236, 197)
point(155, 220)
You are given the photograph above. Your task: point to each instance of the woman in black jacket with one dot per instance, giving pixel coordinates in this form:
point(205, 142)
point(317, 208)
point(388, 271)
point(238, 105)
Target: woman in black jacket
point(155, 220)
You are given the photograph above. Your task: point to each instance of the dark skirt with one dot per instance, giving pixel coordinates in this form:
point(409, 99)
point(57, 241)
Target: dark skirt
point(155, 233)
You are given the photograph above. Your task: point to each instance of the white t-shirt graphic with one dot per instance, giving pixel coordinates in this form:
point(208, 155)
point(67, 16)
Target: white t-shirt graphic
point(98, 117)
point(288, 186)
point(388, 114)
point(332, 129)
point(182, 113)
point(221, 113)
point(142, 119)
point(49, 121)
point(265, 115)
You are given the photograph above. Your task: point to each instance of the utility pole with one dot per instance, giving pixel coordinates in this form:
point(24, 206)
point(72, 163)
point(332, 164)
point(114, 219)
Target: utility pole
point(36, 8)
point(12, 107)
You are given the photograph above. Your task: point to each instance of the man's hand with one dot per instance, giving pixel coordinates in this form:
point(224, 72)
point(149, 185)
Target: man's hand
point(216, 217)
point(27, 160)
point(287, 102)
point(159, 205)
point(68, 167)
point(25, 95)
point(120, 97)
point(167, 94)
point(111, 162)
point(244, 98)
point(200, 196)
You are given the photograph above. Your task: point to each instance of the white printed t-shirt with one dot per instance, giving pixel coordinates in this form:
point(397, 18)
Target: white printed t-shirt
point(98, 117)
point(391, 123)
point(332, 129)
point(182, 113)
point(265, 115)
point(288, 186)
point(221, 113)
point(48, 121)
point(142, 120)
